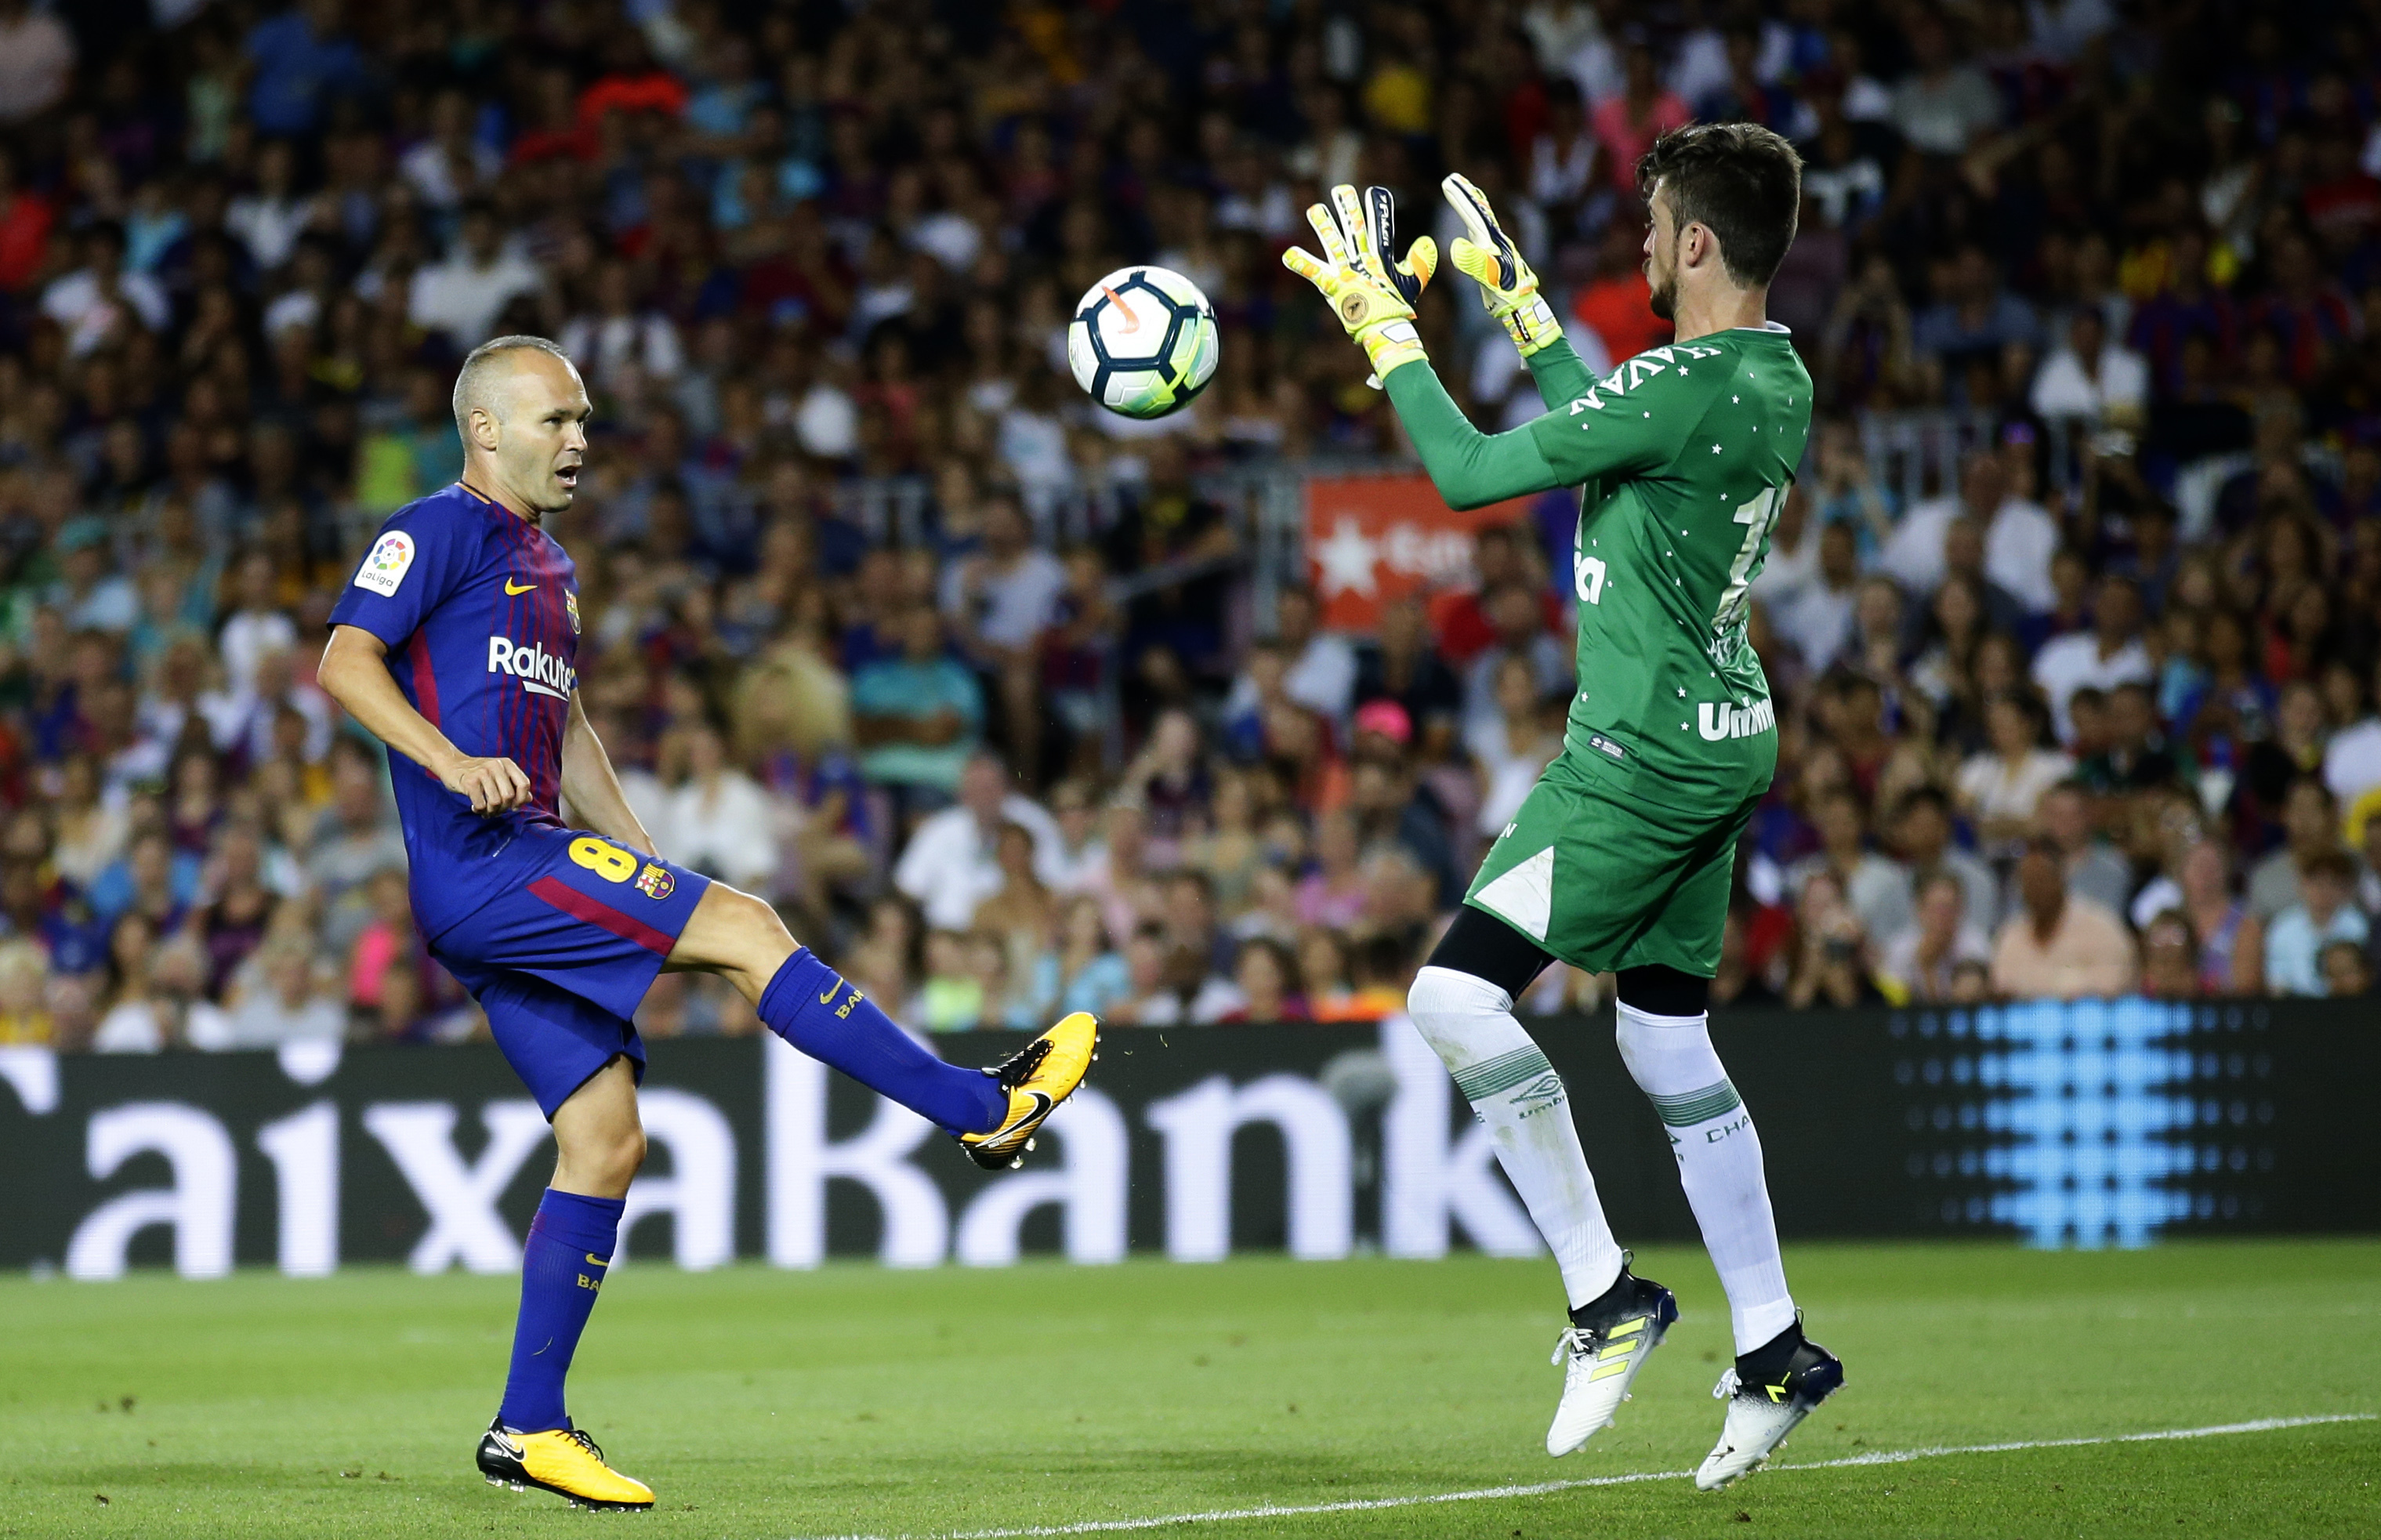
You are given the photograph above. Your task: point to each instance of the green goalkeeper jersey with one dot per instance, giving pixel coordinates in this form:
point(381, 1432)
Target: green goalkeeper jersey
point(1682, 455)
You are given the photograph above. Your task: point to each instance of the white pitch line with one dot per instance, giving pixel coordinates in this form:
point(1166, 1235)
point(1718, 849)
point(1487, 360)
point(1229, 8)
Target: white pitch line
point(1543, 1489)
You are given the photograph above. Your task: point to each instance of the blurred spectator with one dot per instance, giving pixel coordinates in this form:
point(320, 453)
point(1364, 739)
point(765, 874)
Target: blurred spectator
point(1402, 665)
point(1000, 601)
point(2227, 940)
point(2310, 832)
point(1332, 894)
point(1918, 962)
point(1831, 965)
point(1267, 977)
point(1169, 781)
point(1877, 890)
point(385, 948)
point(917, 714)
point(1519, 632)
point(1815, 616)
point(2094, 871)
point(1392, 807)
point(162, 1004)
point(464, 295)
point(2092, 379)
point(100, 304)
point(303, 61)
point(1524, 741)
point(258, 627)
point(952, 862)
point(353, 837)
point(1022, 914)
point(2109, 654)
point(1922, 837)
point(151, 878)
point(1319, 668)
point(717, 820)
point(2002, 789)
point(1614, 308)
point(1628, 121)
point(2170, 966)
point(2019, 535)
point(2057, 944)
point(24, 1012)
point(40, 55)
point(1087, 973)
point(2323, 914)
point(2346, 970)
point(1945, 103)
point(952, 998)
point(619, 335)
point(279, 1000)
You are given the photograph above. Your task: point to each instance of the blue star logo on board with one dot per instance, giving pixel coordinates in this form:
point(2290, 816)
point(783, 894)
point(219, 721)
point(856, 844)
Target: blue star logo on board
point(570, 608)
point(655, 881)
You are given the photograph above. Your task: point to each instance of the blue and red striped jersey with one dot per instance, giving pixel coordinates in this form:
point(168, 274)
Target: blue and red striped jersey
point(478, 609)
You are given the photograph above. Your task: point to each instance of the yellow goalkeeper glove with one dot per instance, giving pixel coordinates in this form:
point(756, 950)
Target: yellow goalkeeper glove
point(1508, 288)
point(1372, 296)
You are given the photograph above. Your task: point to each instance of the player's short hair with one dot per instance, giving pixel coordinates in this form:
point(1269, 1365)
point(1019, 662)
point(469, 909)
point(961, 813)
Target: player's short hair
point(471, 378)
point(1740, 181)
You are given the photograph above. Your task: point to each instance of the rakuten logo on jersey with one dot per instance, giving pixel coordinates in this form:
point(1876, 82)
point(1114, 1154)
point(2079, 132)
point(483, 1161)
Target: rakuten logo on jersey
point(540, 672)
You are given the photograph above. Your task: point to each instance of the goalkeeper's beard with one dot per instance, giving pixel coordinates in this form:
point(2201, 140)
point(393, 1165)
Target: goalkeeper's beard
point(1662, 288)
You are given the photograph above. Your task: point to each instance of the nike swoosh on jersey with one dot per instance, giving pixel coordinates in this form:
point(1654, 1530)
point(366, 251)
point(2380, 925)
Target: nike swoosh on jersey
point(524, 588)
point(832, 991)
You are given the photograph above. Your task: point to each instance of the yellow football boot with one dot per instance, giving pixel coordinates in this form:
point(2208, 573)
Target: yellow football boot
point(1045, 1074)
point(564, 1461)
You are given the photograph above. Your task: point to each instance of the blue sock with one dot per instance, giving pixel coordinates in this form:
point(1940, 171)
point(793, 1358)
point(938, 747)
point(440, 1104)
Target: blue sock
point(569, 1249)
point(810, 1005)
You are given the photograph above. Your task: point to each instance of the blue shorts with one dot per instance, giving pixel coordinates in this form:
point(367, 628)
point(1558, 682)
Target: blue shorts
point(562, 957)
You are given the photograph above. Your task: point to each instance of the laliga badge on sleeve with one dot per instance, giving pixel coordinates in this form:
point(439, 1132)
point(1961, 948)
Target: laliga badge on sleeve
point(391, 558)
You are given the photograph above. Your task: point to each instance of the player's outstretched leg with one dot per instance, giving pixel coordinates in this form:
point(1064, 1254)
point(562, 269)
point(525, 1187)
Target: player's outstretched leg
point(531, 1442)
point(993, 1112)
point(1665, 1037)
point(1462, 1004)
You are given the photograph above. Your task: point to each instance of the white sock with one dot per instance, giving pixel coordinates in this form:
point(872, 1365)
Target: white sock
point(1468, 1023)
point(1719, 1164)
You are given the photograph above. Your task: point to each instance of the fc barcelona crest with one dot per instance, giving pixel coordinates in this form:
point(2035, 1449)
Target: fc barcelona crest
point(654, 882)
point(571, 608)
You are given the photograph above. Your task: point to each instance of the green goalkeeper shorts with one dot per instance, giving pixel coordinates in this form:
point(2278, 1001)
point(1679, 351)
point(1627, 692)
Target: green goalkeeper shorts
point(1608, 873)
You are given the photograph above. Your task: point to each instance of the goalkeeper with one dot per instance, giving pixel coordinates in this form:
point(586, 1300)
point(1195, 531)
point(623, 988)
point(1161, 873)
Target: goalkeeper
point(1620, 859)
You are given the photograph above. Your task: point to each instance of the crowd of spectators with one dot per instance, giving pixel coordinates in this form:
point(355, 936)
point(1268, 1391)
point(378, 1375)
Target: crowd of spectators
point(2085, 709)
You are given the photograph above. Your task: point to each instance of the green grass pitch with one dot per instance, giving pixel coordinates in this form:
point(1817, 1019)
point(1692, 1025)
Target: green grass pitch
point(765, 1405)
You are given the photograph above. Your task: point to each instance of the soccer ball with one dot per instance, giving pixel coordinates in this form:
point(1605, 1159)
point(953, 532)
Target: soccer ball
point(1143, 342)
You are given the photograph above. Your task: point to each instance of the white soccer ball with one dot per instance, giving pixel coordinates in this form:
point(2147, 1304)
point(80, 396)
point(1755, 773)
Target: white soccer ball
point(1143, 342)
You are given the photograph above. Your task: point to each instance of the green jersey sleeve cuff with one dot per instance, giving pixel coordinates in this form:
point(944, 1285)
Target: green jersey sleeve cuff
point(1470, 469)
point(1560, 374)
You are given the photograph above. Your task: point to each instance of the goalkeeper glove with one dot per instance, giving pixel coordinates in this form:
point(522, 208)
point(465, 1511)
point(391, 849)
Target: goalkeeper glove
point(1372, 295)
point(1508, 288)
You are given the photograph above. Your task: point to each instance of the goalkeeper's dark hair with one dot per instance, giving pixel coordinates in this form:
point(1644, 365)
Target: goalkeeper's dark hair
point(1740, 181)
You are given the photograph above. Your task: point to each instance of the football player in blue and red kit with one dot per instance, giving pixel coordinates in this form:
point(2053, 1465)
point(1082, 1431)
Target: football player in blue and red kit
point(456, 645)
